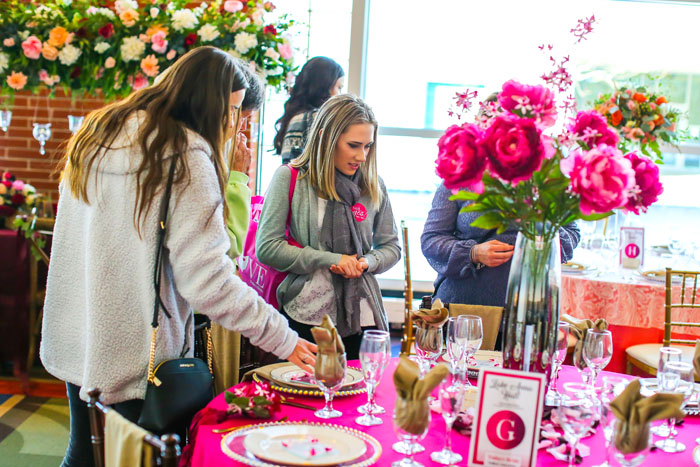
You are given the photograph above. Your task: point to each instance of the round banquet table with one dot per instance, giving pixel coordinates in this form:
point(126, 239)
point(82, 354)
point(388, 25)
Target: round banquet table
point(207, 447)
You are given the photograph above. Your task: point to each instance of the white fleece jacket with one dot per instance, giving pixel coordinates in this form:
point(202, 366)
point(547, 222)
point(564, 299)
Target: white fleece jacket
point(99, 294)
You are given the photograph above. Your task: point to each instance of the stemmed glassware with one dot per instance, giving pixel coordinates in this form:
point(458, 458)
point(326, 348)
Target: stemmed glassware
point(328, 377)
point(373, 357)
point(5, 119)
point(408, 441)
point(42, 133)
point(475, 336)
point(75, 122)
point(553, 397)
point(666, 354)
point(597, 352)
point(612, 387)
point(677, 378)
point(377, 409)
point(429, 343)
point(451, 396)
point(576, 414)
point(457, 345)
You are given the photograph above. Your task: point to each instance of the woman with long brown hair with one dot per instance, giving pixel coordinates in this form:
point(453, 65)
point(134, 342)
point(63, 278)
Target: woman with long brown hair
point(100, 292)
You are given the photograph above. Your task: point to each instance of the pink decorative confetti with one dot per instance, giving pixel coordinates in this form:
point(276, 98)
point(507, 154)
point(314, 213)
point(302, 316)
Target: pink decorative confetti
point(314, 440)
point(583, 28)
point(328, 448)
point(312, 452)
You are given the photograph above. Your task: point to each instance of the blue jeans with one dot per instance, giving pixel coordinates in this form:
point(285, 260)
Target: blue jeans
point(79, 453)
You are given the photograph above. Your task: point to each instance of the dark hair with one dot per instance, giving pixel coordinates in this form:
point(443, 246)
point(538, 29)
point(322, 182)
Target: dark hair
point(311, 89)
point(192, 94)
point(255, 94)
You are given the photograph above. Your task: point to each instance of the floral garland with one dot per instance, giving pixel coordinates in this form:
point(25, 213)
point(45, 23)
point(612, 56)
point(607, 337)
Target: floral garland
point(86, 48)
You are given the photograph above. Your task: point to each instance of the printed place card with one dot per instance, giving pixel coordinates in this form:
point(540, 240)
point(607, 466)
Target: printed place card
point(509, 409)
point(632, 251)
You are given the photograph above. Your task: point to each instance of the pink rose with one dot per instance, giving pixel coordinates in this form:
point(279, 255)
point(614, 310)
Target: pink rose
point(631, 104)
point(233, 6)
point(285, 50)
point(9, 42)
point(592, 129)
point(461, 162)
point(110, 62)
point(602, 177)
point(170, 55)
point(138, 82)
point(648, 187)
point(514, 148)
point(529, 101)
point(158, 42)
point(32, 47)
point(18, 185)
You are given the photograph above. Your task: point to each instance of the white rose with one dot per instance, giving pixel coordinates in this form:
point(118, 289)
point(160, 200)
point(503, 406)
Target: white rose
point(121, 6)
point(203, 5)
point(272, 53)
point(132, 48)
point(28, 190)
point(4, 62)
point(208, 33)
point(184, 19)
point(244, 42)
point(69, 54)
point(154, 12)
point(258, 16)
point(101, 47)
point(101, 11)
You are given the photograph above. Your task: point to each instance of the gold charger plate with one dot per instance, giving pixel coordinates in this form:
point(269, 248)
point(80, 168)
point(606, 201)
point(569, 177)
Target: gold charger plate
point(294, 376)
point(243, 444)
point(310, 392)
point(571, 267)
point(659, 276)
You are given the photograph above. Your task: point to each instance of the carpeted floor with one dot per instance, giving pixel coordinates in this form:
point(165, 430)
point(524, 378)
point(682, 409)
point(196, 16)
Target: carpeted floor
point(33, 431)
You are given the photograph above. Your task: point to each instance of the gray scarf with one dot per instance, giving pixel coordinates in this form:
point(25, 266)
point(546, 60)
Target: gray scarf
point(339, 235)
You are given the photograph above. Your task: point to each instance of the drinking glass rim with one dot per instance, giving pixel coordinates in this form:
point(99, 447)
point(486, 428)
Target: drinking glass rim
point(375, 333)
point(598, 331)
point(469, 317)
point(678, 365)
point(670, 350)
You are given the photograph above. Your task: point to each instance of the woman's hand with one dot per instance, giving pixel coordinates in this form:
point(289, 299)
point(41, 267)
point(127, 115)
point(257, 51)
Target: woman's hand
point(304, 355)
point(492, 253)
point(349, 266)
point(242, 155)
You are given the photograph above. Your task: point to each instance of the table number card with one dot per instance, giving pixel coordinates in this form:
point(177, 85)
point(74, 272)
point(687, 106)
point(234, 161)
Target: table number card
point(507, 425)
point(632, 251)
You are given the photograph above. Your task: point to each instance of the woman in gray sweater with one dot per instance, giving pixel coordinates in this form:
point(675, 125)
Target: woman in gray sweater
point(341, 216)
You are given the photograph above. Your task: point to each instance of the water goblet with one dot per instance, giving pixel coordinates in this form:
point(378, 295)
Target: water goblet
point(475, 336)
point(666, 354)
point(553, 397)
point(373, 358)
point(597, 352)
point(612, 387)
point(429, 343)
point(576, 413)
point(456, 345)
point(42, 133)
point(5, 119)
point(409, 436)
point(451, 396)
point(75, 122)
point(377, 409)
point(329, 375)
point(676, 378)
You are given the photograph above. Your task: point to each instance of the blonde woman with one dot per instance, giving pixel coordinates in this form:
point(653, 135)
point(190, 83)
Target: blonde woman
point(341, 216)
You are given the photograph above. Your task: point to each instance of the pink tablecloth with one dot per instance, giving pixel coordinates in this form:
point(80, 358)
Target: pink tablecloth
point(207, 451)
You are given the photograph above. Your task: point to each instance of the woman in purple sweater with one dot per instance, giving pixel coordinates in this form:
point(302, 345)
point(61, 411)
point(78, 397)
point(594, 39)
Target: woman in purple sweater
point(473, 263)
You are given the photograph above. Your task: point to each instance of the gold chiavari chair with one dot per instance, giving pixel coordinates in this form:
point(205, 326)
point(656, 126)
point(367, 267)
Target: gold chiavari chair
point(407, 338)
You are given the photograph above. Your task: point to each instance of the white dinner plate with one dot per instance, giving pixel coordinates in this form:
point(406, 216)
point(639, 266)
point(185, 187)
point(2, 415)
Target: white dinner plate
point(292, 375)
point(576, 268)
point(301, 444)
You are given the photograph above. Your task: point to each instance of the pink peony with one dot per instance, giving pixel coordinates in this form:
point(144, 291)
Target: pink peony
point(601, 176)
point(158, 42)
point(138, 82)
point(233, 6)
point(592, 129)
point(461, 162)
point(648, 187)
point(32, 47)
point(514, 148)
point(285, 50)
point(110, 62)
point(18, 185)
point(529, 101)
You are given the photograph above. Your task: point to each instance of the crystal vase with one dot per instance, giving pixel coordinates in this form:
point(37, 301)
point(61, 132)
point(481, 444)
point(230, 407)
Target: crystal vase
point(532, 305)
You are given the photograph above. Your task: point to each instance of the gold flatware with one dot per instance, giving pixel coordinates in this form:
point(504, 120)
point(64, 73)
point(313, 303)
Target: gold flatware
point(298, 404)
point(227, 430)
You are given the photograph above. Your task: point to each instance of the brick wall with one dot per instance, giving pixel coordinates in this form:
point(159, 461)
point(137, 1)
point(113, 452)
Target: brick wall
point(19, 151)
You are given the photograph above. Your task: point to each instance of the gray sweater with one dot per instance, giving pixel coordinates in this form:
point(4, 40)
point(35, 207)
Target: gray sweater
point(377, 232)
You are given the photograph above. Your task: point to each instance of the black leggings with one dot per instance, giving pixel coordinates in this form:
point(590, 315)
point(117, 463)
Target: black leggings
point(79, 453)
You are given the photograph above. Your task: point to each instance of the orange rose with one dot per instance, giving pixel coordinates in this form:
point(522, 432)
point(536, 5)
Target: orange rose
point(616, 118)
point(58, 37)
point(661, 100)
point(129, 17)
point(149, 65)
point(156, 28)
point(17, 80)
point(639, 97)
point(659, 120)
point(49, 52)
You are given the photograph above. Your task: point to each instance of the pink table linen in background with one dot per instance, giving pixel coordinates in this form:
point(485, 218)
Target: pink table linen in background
point(207, 451)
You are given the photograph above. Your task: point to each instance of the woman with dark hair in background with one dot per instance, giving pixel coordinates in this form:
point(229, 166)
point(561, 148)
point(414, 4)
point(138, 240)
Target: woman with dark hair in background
point(319, 79)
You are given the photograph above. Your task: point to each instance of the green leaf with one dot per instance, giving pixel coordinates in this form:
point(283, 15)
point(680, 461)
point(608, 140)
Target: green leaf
point(489, 220)
point(464, 196)
point(475, 207)
point(596, 217)
point(228, 397)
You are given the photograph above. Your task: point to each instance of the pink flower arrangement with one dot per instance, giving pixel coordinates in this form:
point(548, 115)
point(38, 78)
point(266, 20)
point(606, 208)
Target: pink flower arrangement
point(648, 187)
point(254, 400)
point(158, 42)
point(535, 102)
point(590, 128)
point(460, 160)
point(32, 47)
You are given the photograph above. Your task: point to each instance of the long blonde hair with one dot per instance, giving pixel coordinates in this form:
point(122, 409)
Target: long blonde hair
point(192, 94)
point(332, 120)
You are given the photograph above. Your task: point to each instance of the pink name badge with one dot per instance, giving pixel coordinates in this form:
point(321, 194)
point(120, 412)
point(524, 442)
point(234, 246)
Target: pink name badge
point(360, 212)
point(509, 409)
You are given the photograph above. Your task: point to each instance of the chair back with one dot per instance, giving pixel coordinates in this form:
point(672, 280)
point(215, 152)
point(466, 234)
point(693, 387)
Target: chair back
point(166, 449)
point(490, 320)
point(407, 338)
point(689, 279)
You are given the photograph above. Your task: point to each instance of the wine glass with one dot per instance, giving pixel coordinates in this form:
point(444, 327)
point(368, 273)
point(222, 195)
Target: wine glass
point(377, 409)
point(597, 352)
point(629, 459)
point(42, 133)
point(409, 434)
point(676, 378)
point(456, 345)
point(5, 119)
point(553, 397)
point(475, 335)
point(75, 122)
point(451, 395)
point(666, 354)
point(576, 414)
point(329, 375)
point(429, 343)
point(373, 359)
point(612, 387)
point(587, 229)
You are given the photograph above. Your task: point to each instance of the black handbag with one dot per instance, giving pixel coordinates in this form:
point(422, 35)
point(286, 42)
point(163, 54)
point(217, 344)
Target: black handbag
point(180, 387)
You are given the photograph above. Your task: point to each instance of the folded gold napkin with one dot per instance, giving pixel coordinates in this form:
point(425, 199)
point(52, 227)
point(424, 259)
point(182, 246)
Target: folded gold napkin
point(696, 360)
point(634, 413)
point(578, 328)
point(412, 411)
point(436, 316)
point(330, 346)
